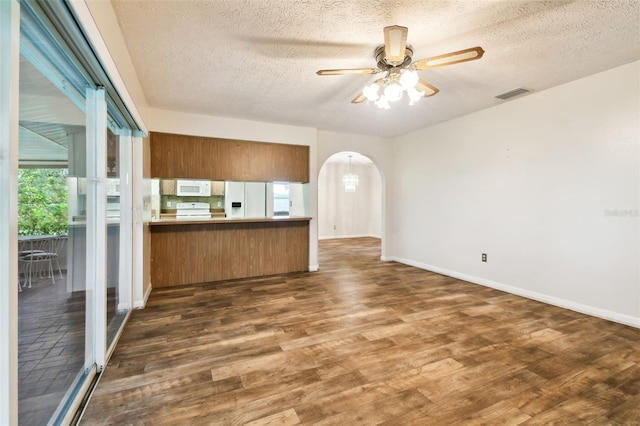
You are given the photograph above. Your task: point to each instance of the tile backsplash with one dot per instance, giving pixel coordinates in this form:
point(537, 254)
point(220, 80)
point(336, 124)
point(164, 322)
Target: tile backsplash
point(168, 202)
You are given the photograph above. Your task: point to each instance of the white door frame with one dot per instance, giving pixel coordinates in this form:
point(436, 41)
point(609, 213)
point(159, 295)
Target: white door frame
point(125, 250)
point(96, 229)
point(140, 203)
point(9, 89)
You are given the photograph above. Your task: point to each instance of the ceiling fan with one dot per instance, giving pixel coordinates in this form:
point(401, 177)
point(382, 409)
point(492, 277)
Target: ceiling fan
point(394, 59)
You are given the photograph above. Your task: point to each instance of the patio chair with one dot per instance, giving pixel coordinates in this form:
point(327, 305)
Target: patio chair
point(37, 256)
point(26, 247)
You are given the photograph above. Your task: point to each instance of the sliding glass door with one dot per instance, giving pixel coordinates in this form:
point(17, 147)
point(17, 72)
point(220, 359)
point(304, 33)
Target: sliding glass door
point(118, 230)
point(74, 221)
point(66, 144)
point(55, 346)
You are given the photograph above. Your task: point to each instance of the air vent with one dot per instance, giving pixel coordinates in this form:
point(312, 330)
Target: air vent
point(513, 93)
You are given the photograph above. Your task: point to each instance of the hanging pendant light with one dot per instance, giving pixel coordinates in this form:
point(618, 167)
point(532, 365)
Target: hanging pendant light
point(350, 180)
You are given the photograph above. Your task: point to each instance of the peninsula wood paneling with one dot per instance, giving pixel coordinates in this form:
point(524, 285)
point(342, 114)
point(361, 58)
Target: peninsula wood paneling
point(179, 156)
point(195, 253)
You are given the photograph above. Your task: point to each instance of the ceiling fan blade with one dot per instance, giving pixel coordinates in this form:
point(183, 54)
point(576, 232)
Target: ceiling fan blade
point(449, 59)
point(425, 87)
point(395, 43)
point(358, 99)
point(348, 71)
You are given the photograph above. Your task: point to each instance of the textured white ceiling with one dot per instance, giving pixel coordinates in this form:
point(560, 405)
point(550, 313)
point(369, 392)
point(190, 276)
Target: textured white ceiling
point(256, 59)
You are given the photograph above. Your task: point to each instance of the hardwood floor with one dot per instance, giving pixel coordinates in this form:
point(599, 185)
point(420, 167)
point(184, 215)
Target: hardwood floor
point(365, 342)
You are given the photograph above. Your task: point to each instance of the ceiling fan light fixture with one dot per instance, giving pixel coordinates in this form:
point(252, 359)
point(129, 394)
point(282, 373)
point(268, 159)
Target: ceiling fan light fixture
point(414, 95)
point(371, 91)
point(393, 91)
point(452, 58)
point(395, 42)
point(409, 79)
point(395, 59)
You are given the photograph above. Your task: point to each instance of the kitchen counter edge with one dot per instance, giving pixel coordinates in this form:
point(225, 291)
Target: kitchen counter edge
point(164, 222)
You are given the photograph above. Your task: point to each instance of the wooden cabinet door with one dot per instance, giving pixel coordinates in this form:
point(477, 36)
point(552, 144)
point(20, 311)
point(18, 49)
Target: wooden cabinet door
point(168, 187)
point(217, 188)
point(190, 157)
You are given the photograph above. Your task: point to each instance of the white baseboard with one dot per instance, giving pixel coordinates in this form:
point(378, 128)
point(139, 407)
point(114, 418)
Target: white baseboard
point(338, 237)
point(140, 304)
point(314, 268)
point(551, 300)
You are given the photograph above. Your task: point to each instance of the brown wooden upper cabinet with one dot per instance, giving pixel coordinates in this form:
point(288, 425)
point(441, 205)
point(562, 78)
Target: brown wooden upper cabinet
point(194, 157)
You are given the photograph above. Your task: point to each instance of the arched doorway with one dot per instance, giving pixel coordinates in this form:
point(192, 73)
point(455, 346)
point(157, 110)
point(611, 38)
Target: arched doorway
point(346, 211)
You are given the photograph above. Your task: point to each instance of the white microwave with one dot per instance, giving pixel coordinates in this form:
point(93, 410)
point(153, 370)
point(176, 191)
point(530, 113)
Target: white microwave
point(194, 188)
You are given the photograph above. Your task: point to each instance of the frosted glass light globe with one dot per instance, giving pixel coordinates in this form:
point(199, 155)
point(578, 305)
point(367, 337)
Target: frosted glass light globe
point(393, 92)
point(409, 79)
point(371, 92)
point(414, 95)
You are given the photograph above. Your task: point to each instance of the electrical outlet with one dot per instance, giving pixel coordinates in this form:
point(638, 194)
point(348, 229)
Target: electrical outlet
point(169, 203)
point(484, 257)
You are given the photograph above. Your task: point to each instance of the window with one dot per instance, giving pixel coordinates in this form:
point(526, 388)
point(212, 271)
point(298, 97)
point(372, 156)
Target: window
point(281, 202)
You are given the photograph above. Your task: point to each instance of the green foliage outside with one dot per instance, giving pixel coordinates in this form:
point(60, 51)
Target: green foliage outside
point(42, 202)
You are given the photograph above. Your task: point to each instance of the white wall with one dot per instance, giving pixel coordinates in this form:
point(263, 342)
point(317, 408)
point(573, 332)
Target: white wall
point(230, 128)
point(533, 183)
point(349, 214)
point(109, 31)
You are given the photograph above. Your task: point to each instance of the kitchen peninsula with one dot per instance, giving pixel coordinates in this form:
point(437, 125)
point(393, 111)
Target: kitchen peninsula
point(198, 250)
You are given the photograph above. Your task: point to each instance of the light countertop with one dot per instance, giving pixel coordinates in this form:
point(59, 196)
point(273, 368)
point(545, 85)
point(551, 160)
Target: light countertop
point(222, 220)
